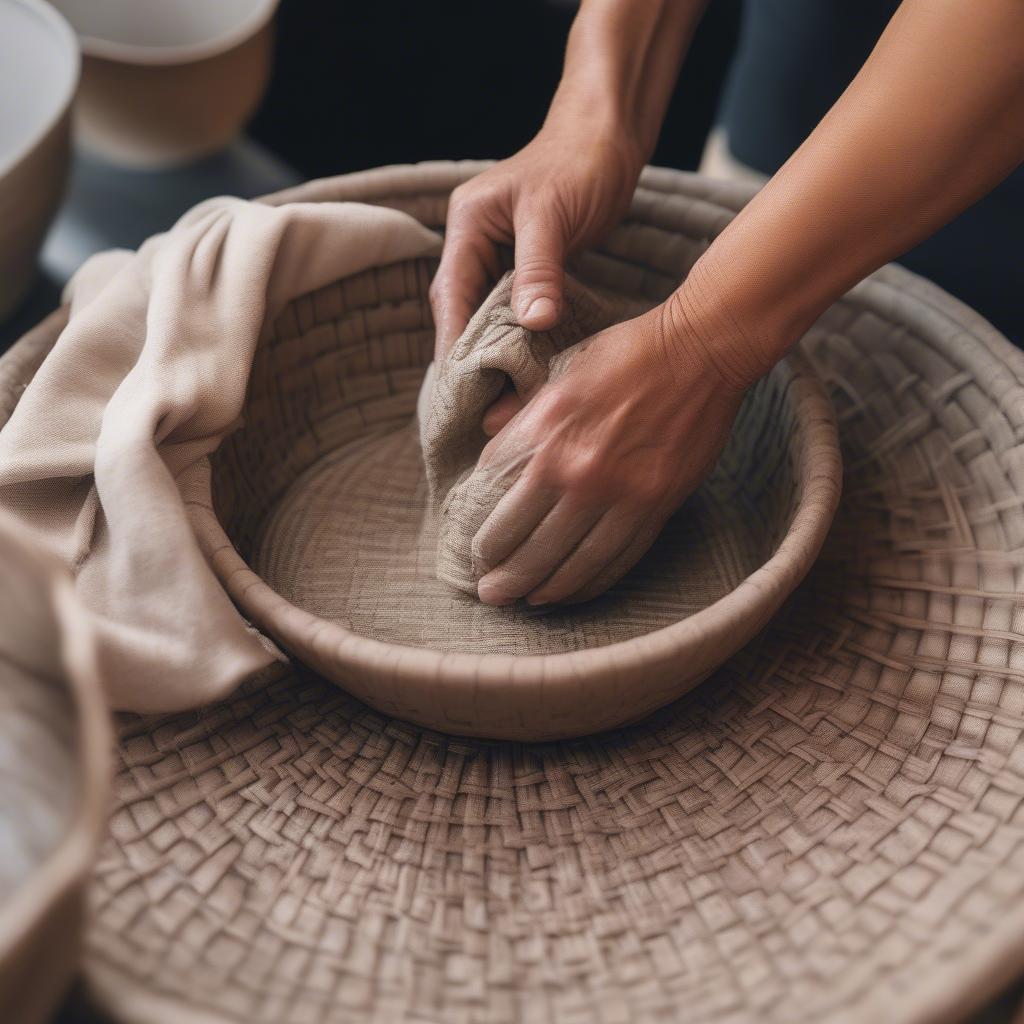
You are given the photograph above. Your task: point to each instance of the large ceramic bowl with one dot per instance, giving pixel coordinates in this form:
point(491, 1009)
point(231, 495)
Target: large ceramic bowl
point(318, 521)
point(53, 776)
point(318, 530)
point(164, 83)
point(38, 74)
point(830, 832)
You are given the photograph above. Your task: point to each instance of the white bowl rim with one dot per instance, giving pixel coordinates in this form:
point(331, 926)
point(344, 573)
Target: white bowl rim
point(58, 22)
point(184, 53)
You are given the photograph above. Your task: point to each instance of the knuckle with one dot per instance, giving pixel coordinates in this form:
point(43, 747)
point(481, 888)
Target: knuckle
point(461, 195)
point(584, 474)
point(647, 488)
point(481, 552)
point(537, 269)
point(646, 485)
point(553, 405)
point(470, 197)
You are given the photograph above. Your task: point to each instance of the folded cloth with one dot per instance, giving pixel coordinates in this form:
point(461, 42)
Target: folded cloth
point(493, 352)
point(111, 438)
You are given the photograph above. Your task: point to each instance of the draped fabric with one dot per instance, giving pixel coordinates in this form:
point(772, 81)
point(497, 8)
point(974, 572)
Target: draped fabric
point(109, 443)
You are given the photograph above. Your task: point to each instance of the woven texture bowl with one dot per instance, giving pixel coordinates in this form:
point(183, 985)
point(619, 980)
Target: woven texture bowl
point(54, 750)
point(830, 830)
point(164, 84)
point(317, 527)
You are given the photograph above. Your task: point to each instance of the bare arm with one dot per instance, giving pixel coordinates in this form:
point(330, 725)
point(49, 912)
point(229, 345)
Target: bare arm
point(621, 64)
point(933, 121)
point(574, 181)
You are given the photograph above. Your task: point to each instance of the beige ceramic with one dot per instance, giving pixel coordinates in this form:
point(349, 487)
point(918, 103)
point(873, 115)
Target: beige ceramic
point(166, 83)
point(830, 831)
point(54, 744)
point(38, 73)
point(316, 522)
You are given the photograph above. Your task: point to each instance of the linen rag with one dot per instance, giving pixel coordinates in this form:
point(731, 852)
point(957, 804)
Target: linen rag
point(110, 440)
point(493, 352)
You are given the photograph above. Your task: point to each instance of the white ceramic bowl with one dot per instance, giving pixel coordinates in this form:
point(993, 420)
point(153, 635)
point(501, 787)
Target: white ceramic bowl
point(165, 82)
point(38, 74)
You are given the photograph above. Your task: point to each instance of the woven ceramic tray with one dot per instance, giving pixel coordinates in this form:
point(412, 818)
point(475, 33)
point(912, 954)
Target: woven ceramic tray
point(831, 829)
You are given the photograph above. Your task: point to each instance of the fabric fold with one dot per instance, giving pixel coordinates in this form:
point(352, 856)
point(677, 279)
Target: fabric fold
point(494, 352)
point(145, 381)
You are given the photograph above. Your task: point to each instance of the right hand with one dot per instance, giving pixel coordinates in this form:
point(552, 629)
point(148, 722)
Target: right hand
point(607, 450)
point(564, 191)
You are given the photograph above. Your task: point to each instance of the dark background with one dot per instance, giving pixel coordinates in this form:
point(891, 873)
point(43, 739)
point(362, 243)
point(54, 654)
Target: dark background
point(360, 84)
point(363, 84)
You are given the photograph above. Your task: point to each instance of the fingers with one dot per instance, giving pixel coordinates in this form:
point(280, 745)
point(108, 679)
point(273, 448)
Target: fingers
point(618, 531)
point(501, 412)
point(469, 263)
point(608, 537)
point(511, 521)
point(617, 567)
point(540, 274)
point(540, 553)
point(477, 222)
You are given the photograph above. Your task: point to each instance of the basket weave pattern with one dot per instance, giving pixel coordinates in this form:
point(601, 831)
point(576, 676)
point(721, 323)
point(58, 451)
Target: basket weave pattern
point(831, 829)
point(329, 507)
point(319, 501)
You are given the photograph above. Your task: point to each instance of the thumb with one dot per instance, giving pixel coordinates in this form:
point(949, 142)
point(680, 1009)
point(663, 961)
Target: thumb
point(538, 282)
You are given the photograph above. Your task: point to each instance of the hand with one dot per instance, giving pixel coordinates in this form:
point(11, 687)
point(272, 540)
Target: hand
point(562, 192)
point(615, 441)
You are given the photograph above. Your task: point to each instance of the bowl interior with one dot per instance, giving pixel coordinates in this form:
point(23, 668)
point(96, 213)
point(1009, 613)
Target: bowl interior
point(156, 24)
point(40, 784)
point(322, 491)
point(38, 73)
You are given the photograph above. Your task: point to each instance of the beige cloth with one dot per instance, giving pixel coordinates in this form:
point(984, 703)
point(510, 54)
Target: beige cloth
point(492, 352)
point(111, 437)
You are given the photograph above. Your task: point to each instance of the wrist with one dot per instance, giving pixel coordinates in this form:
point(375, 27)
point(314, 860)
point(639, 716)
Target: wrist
point(595, 119)
point(734, 343)
point(622, 60)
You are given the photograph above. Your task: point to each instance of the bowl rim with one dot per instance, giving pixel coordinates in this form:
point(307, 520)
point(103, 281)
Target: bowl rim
point(63, 29)
point(67, 863)
point(394, 677)
point(180, 53)
point(739, 614)
point(382, 673)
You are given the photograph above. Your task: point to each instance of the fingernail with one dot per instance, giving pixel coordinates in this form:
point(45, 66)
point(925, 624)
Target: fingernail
point(536, 598)
point(490, 592)
point(540, 309)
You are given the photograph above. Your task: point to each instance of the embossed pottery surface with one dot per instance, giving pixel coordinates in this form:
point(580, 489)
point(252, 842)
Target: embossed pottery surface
point(827, 829)
point(830, 829)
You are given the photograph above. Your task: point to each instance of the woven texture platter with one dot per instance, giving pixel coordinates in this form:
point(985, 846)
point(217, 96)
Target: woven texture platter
point(831, 829)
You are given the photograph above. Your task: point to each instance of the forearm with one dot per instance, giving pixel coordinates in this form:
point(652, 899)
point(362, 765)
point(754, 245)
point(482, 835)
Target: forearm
point(621, 65)
point(933, 121)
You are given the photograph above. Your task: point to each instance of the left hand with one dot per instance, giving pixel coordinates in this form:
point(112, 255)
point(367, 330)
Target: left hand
point(612, 447)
